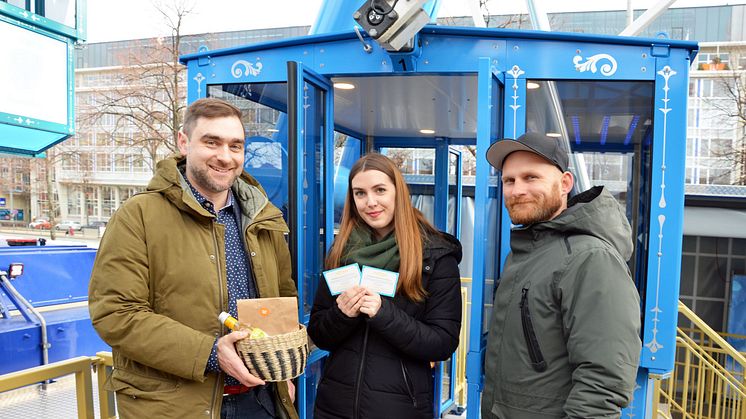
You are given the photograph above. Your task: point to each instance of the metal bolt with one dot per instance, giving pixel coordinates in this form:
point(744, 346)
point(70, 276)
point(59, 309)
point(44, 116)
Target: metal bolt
point(356, 15)
point(643, 69)
point(427, 62)
point(515, 48)
point(373, 32)
point(644, 55)
point(393, 15)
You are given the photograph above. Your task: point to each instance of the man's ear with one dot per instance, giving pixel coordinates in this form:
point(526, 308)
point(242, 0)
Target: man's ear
point(182, 141)
point(567, 182)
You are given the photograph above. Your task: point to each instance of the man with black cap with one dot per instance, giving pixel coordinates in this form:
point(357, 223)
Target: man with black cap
point(564, 341)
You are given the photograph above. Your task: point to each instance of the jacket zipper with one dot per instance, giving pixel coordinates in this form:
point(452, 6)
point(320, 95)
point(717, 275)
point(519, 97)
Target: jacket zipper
point(534, 351)
point(248, 249)
point(359, 380)
point(222, 307)
point(410, 389)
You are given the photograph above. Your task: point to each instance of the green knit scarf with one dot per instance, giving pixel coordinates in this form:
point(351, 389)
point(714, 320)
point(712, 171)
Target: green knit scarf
point(363, 248)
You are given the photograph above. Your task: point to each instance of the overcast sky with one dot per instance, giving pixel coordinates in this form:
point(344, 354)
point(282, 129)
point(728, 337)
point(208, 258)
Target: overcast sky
point(133, 19)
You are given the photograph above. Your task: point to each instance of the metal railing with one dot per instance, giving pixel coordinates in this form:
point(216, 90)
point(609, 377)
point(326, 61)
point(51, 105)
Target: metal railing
point(707, 381)
point(81, 367)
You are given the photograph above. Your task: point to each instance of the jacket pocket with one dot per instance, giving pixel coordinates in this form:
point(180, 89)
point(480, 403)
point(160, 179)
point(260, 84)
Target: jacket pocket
point(408, 383)
point(140, 386)
point(534, 351)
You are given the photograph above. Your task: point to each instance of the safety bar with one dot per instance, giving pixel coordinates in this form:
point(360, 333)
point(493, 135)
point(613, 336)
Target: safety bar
point(80, 366)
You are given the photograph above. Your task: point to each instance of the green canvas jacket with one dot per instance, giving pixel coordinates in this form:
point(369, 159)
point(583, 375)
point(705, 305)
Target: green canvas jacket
point(158, 284)
point(569, 276)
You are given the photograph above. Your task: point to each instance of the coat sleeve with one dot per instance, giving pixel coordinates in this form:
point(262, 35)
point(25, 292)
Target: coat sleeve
point(119, 298)
point(328, 326)
point(435, 336)
point(285, 266)
point(601, 316)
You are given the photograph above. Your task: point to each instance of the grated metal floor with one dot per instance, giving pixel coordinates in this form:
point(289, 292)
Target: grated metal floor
point(56, 402)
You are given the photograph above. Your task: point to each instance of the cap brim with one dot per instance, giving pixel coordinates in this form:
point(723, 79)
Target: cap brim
point(500, 149)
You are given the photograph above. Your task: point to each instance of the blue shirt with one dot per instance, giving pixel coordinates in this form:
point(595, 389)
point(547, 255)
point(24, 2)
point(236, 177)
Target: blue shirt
point(240, 282)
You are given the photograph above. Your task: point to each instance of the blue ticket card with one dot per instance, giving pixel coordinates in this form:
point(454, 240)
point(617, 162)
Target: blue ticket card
point(342, 278)
point(379, 280)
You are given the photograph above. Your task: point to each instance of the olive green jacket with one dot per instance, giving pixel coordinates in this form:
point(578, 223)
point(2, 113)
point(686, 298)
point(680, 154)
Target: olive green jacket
point(159, 283)
point(566, 286)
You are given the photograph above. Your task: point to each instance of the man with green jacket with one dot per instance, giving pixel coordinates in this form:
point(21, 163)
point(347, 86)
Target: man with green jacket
point(203, 235)
point(564, 340)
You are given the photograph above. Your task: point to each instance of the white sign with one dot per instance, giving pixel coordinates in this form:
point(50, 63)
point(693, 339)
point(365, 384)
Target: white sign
point(34, 74)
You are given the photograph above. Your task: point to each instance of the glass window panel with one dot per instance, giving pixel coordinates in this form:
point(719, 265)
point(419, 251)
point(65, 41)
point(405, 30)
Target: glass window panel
point(607, 128)
point(712, 313)
point(713, 245)
point(453, 175)
point(421, 186)
point(62, 11)
point(738, 266)
point(690, 244)
point(739, 247)
point(346, 153)
point(711, 277)
point(687, 275)
point(266, 135)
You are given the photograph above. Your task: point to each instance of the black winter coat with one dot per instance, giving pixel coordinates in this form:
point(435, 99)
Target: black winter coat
point(380, 367)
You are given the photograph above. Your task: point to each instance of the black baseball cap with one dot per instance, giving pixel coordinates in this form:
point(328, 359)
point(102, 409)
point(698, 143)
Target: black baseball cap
point(542, 145)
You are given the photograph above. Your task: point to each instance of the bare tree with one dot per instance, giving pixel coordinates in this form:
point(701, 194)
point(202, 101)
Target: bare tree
point(149, 95)
point(732, 112)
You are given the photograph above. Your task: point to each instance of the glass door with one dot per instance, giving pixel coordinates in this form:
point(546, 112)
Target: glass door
point(310, 203)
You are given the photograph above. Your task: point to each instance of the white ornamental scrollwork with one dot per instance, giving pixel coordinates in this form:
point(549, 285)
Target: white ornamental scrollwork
point(199, 78)
point(607, 69)
point(248, 68)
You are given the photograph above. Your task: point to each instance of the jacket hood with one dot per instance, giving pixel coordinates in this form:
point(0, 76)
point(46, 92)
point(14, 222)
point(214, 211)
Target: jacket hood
point(594, 212)
point(438, 245)
point(169, 181)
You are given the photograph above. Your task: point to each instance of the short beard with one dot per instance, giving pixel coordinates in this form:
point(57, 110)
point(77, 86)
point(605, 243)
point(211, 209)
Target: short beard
point(202, 179)
point(544, 207)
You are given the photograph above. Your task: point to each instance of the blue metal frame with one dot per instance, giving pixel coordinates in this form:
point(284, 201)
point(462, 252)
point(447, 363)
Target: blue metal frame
point(505, 59)
point(306, 200)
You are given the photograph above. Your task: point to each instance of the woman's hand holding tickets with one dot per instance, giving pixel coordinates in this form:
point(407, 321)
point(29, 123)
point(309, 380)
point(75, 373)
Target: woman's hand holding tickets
point(371, 303)
point(350, 300)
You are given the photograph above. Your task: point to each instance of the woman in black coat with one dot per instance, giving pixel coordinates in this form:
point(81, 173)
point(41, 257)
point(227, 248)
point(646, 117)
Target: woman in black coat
point(381, 347)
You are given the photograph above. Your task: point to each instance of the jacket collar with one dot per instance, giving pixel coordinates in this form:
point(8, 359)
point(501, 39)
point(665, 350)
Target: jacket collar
point(249, 194)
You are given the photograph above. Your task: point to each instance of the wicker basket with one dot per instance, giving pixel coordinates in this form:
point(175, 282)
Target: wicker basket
point(276, 358)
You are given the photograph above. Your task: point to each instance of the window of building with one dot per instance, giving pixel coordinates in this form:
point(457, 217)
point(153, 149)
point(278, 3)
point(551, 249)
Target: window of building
point(91, 201)
point(73, 200)
point(707, 266)
point(103, 162)
point(121, 163)
point(108, 201)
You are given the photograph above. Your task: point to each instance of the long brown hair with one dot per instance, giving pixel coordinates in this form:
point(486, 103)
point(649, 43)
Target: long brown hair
point(409, 226)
